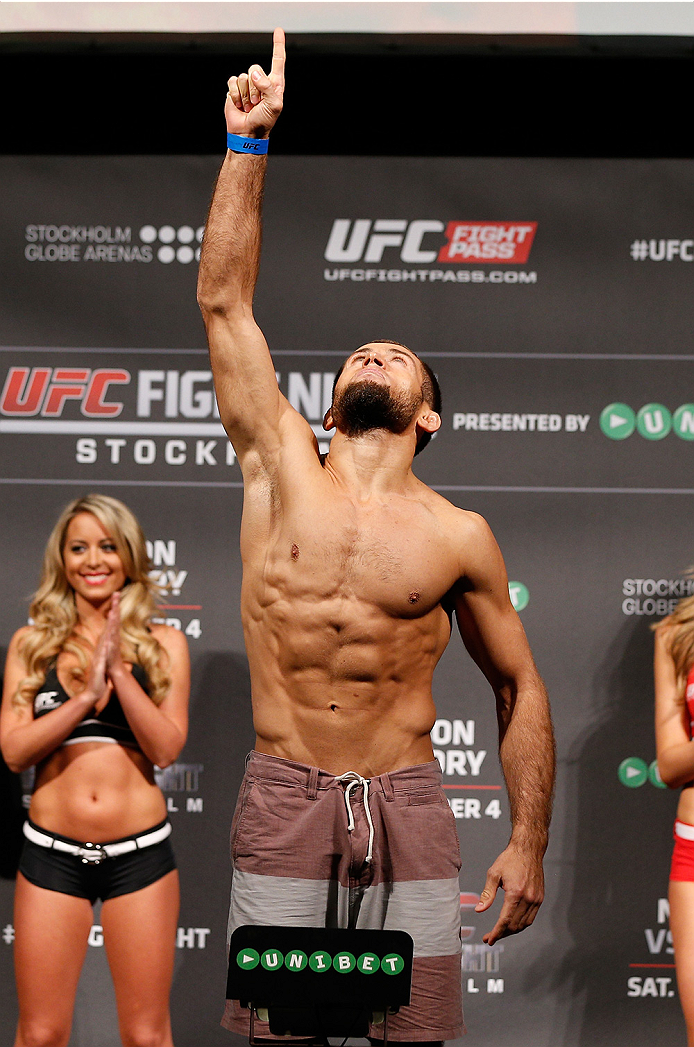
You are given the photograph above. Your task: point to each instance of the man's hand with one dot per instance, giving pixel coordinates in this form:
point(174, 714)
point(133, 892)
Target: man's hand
point(254, 100)
point(520, 876)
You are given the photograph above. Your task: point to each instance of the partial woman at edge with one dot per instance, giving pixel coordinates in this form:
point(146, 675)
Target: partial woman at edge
point(95, 695)
point(674, 729)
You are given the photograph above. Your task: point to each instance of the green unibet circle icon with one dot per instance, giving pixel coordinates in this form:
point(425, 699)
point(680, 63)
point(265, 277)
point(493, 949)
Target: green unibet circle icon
point(519, 595)
point(633, 772)
point(320, 961)
point(392, 963)
point(617, 421)
point(247, 959)
point(295, 960)
point(344, 962)
point(272, 959)
point(654, 421)
point(683, 422)
point(654, 775)
point(368, 962)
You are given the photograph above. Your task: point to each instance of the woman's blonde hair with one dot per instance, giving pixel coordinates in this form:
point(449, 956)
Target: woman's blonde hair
point(54, 615)
point(680, 636)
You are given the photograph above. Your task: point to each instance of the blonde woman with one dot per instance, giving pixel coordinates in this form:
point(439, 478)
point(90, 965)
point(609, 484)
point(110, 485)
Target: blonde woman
point(674, 725)
point(95, 695)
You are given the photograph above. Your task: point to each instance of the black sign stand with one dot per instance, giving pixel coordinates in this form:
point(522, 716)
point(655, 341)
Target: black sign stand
point(316, 982)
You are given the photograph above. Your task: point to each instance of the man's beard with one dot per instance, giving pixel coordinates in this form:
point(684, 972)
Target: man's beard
point(364, 406)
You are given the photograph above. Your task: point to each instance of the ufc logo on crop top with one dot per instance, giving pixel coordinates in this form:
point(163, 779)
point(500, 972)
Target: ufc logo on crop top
point(419, 242)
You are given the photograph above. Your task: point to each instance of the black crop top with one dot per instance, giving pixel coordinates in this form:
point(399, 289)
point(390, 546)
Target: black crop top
point(110, 725)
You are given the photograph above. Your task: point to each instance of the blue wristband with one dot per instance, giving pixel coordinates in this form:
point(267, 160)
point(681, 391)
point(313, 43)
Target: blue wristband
point(238, 144)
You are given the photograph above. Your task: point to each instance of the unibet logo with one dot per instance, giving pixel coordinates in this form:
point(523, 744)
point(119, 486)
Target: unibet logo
point(368, 962)
point(247, 959)
point(519, 595)
point(392, 963)
point(617, 421)
point(320, 961)
point(295, 960)
point(635, 772)
point(683, 422)
point(184, 237)
point(343, 962)
point(654, 775)
point(653, 421)
point(272, 959)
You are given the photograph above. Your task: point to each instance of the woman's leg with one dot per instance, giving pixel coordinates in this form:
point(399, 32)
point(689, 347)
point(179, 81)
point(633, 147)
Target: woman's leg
point(682, 927)
point(140, 939)
point(51, 932)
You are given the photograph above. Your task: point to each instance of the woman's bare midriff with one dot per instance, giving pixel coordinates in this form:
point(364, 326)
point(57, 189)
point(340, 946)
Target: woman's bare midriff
point(685, 807)
point(96, 792)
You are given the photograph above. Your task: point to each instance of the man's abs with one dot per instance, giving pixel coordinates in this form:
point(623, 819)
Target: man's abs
point(342, 686)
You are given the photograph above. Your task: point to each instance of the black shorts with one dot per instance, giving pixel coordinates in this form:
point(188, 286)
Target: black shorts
point(68, 874)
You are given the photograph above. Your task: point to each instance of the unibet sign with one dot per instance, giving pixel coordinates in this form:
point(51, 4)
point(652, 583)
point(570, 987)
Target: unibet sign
point(320, 961)
point(519, 594)
point(635, 772)
point(653, 421)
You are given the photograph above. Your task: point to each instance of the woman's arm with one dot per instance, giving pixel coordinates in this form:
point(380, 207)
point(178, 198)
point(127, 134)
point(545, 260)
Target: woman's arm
point(26, 741)
point(160, 730)
point(674, 747)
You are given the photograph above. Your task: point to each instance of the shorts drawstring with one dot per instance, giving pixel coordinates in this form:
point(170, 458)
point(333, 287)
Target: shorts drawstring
point(353, 779)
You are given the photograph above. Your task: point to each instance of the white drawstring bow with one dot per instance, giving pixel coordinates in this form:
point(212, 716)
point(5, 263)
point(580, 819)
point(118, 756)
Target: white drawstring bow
point(353, 779)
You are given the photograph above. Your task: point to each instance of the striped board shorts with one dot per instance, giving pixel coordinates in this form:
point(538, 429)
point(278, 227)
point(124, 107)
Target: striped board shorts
point(300, 839)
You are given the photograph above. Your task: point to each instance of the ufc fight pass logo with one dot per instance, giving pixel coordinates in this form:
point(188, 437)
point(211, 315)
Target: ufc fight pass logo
point(419, 242)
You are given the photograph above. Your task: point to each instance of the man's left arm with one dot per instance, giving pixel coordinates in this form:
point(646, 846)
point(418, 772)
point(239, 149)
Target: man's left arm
point(493, 635)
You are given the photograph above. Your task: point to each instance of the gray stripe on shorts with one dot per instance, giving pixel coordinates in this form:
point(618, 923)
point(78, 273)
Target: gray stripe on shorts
point(429, 910)
point(279, 901)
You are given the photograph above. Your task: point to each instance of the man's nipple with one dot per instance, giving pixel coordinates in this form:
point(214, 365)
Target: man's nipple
point(414, 597)
point(295, 551)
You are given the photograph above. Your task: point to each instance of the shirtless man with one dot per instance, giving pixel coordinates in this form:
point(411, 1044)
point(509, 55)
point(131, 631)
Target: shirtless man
point(353, 571)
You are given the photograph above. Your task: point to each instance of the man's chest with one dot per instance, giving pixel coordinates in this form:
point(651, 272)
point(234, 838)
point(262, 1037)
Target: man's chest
point(395, 557)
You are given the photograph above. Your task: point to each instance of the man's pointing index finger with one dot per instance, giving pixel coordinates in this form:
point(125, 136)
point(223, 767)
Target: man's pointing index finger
point(278, 53)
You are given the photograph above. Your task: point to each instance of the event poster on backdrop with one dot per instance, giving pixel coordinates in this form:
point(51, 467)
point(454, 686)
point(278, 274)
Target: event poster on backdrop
point(552, 298)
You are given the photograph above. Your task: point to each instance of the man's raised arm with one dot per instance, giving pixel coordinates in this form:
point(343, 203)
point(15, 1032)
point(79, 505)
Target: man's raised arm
point(247, 393)
point(494, 636)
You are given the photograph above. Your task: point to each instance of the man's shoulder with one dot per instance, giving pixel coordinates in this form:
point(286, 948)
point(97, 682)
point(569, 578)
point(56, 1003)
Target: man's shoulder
point(465, 521)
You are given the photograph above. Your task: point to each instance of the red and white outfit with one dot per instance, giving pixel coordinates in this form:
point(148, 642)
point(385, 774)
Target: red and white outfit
point(682, 867)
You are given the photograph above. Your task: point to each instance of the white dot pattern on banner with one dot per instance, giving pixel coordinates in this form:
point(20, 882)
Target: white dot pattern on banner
point(166, 234)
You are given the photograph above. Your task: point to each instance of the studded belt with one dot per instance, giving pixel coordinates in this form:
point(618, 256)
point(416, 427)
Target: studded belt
point(95, 853)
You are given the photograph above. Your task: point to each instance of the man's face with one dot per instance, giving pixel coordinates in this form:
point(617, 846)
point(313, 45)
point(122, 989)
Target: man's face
point(380, 388)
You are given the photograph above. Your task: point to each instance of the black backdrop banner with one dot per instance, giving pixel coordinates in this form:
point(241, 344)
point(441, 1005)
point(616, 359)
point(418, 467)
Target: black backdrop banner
point(552, 298)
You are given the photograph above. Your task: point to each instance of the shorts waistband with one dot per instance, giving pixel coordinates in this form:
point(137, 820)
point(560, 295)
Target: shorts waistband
point(684, 830)
point(93, 853)
point(277, 769)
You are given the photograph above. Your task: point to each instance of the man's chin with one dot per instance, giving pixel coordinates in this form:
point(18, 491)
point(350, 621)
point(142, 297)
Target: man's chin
point(374, 379)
